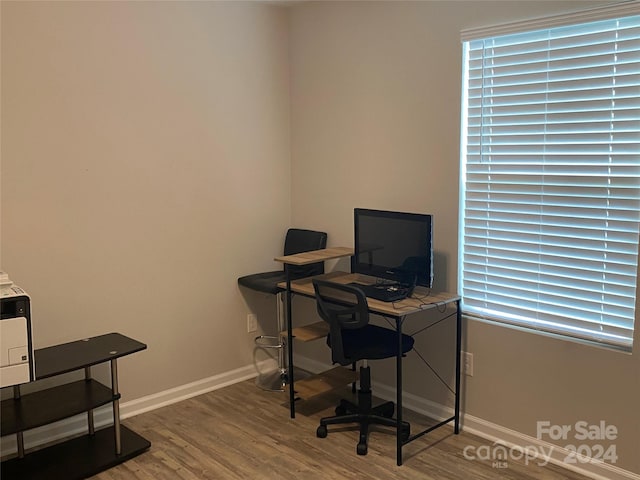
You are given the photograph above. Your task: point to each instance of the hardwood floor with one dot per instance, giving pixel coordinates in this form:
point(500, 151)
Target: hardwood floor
point(242, 432)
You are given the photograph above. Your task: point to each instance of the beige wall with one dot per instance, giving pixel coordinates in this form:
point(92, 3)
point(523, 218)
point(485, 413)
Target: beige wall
point(145, 166)
point(148, 160)
point(375, 123)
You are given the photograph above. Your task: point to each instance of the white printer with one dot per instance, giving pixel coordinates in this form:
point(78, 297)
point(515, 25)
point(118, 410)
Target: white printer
point(16, 346)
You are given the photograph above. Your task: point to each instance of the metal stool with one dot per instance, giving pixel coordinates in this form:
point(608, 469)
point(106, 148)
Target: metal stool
point(296, 241)
point(276, 380)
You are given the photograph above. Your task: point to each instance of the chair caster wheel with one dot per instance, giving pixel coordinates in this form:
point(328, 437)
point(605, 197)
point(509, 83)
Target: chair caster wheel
point(321, 432)
point(361, 449)
point(389, 411)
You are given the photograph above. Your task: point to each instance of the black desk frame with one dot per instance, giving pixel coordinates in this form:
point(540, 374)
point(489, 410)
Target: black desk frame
point(456, 415)
point(399, 320)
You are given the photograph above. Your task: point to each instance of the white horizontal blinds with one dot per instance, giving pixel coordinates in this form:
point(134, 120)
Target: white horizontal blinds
point(551, 179)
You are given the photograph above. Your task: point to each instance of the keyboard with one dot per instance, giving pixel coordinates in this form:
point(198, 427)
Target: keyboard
point(385, 292)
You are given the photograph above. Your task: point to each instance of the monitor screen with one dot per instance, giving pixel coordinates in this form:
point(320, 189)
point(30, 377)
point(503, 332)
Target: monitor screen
point(393, 245)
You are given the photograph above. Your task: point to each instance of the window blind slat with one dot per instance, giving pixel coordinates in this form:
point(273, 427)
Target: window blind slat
point(551, 179)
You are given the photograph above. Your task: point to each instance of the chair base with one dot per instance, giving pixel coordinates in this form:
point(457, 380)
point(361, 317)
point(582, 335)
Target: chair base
point(364, 415)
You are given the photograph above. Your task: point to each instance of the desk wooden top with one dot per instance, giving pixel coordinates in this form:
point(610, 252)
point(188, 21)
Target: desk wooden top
point(422, 298)
point(306, 258)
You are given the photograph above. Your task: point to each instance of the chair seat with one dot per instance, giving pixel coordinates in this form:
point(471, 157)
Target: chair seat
point(372, 342)
point(266, 282)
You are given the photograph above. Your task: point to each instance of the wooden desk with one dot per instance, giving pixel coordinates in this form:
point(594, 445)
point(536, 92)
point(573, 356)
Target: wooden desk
point(314, 256)
point(422, 300)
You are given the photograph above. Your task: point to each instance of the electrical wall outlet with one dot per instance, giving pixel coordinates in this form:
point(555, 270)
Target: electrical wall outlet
point(252, 323)
point(467, 363)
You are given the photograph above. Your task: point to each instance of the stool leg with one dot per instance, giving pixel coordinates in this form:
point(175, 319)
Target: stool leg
point(299, 373)
point(281, 327)
point(275, 381)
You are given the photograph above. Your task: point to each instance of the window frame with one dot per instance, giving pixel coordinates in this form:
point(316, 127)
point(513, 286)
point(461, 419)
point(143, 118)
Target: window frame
point(599, 13)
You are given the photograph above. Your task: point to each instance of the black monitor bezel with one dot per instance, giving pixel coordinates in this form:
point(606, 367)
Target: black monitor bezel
point(383, 272)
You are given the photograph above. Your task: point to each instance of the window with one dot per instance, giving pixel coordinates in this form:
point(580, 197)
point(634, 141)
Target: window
point(550, 178)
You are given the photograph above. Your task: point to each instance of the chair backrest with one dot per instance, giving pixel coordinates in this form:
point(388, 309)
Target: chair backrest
point(343, 307)
point(299, 240)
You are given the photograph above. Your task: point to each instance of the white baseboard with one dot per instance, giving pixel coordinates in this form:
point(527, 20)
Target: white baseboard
point(498, 434)
point(103, 416)
point(595, 469)
point(184, 392)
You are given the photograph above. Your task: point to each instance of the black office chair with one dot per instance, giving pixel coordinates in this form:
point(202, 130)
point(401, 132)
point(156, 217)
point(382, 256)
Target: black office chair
point(296, 241)
point(351, 338)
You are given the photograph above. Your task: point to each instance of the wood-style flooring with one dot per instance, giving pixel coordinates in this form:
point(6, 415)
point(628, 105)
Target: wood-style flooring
point(242, 432)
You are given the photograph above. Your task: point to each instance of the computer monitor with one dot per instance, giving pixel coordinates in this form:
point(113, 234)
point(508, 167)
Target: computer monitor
point(395, 246)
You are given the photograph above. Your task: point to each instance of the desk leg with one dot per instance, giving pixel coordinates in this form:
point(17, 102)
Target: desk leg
point(290, 373)
point(399, 393)
point(456, 427)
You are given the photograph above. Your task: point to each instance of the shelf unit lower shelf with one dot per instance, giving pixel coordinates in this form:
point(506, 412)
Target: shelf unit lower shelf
point(78, 458)
point(310, 332)
point(47, 406)
point(324, 382)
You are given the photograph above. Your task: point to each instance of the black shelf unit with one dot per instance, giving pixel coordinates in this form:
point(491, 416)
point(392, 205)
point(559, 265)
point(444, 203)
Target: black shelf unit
point(82, 456)
point(53, 404)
